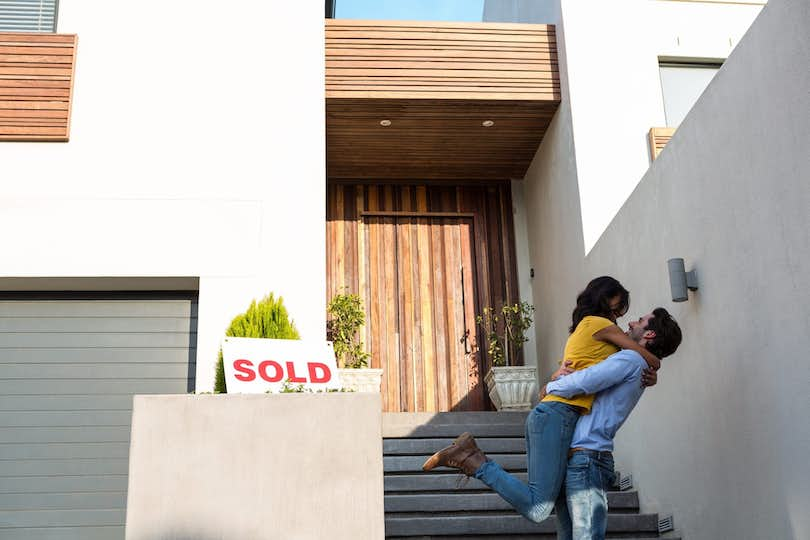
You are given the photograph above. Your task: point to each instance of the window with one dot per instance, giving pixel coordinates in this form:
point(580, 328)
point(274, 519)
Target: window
point(682, 85)
point(28, 15)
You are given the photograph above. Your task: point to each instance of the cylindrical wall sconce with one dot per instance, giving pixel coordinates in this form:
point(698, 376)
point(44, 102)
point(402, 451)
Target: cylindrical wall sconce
point(681, 281)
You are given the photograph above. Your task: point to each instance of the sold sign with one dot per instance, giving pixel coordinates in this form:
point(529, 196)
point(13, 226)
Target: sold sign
point(254, 366)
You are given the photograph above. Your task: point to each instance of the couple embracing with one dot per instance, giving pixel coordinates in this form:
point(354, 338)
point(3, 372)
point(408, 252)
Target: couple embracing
point(569, 434)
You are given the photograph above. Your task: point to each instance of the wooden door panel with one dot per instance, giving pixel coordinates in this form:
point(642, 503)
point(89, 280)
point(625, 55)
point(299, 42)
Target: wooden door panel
point(384, 240)
point(381, 308)
point(416, 267)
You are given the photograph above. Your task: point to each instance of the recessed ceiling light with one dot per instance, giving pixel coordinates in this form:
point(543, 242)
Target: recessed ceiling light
point(385, 123)
point(487, 123)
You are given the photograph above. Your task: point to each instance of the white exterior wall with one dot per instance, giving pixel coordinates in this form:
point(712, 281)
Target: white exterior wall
point(197, 149)
point(524, 266)
point(720, 442)
point(726, 424)
point(596, 150)
point(612, 51)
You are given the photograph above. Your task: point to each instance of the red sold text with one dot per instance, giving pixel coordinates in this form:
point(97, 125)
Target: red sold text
point(272, 371)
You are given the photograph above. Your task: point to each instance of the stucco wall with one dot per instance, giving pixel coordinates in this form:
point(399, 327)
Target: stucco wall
point(197, 149)
point(283, 466)
point(524, 266)
point(612, 51)
point(720, 442)
point(595, 150)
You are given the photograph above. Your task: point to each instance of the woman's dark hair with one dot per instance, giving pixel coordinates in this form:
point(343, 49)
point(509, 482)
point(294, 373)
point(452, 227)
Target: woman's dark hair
point(595, 300)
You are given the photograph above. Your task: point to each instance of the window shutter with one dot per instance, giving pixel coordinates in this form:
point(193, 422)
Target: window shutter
point(28, 15)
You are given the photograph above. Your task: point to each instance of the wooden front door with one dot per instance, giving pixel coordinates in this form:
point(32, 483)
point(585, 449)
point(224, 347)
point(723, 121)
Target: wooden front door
point(402, 248)
point(421, 299)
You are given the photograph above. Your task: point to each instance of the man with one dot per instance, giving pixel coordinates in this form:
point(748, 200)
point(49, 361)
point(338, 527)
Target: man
point(615, 381)
point(619, 376)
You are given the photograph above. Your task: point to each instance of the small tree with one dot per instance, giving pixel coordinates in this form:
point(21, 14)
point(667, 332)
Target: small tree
point(505, 331)
point(267, 318)
point(348, 317)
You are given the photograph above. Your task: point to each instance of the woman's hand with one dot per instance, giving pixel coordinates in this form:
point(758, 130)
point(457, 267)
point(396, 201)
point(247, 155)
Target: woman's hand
point(649, 377)
point(564, 370)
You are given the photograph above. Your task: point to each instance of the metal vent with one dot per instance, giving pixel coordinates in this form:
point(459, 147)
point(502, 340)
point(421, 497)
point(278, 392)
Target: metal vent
point(626, 482)
point(665, 524)
point(28, 15)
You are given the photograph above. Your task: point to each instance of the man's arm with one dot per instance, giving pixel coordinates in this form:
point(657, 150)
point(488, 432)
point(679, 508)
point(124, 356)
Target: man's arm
point(605, 374)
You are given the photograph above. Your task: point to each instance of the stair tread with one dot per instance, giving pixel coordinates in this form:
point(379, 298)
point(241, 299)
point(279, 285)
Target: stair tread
point(440, 481)
point(427, 446)
point(480, 501)
point(453, 424)
point(510, 462)
point(506, 523)
point(533, 536)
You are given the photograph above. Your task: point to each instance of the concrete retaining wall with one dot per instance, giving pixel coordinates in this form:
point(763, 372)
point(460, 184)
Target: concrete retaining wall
point(285, 466)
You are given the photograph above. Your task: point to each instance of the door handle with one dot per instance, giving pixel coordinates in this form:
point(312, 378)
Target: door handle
point(466, 335)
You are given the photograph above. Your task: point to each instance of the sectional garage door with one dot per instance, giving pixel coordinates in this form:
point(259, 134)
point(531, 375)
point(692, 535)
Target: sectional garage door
point(69, 367)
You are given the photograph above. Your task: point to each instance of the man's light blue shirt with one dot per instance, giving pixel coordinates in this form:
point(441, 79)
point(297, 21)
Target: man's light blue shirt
point(616, 381)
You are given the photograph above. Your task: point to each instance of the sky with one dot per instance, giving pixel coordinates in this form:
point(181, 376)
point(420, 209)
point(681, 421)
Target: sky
point(411, 10)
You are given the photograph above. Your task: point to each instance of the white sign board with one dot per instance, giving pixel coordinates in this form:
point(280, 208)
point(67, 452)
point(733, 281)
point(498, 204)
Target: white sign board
point(254, 366)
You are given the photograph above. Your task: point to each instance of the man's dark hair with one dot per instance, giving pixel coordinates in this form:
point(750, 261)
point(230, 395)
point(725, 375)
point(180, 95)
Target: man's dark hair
point(667, 333)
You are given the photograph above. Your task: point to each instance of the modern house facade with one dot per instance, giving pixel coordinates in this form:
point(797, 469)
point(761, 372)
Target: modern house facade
point(198, 160)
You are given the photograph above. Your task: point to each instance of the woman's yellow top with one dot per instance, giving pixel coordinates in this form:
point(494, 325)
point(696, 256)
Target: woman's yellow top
point(585, 351)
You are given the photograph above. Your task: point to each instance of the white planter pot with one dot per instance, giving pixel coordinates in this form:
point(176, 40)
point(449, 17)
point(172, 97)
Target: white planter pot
point(361, 380)
point(512, 388)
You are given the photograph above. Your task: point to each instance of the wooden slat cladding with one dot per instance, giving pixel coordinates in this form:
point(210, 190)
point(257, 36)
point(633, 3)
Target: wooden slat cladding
point(36, 83)
point(425, 258)
point(433, 139)
point(659, 137)
point(437, 60)
point(437, 83)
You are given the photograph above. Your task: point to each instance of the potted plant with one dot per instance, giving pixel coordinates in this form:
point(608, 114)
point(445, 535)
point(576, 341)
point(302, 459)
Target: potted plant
point(347, 318)
point(510, 387)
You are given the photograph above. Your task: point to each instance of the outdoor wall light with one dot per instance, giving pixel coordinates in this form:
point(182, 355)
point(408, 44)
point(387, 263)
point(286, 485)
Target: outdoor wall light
point(385, 123)
point(487, 123)
point(681, 281)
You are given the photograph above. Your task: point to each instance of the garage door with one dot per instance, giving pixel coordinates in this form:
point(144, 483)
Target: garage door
point(69, 367)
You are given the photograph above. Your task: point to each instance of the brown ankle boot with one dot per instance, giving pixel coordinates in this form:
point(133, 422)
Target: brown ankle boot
point(463, 454)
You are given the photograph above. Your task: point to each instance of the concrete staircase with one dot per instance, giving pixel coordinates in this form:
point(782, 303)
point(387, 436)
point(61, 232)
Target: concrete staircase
point(422, 506)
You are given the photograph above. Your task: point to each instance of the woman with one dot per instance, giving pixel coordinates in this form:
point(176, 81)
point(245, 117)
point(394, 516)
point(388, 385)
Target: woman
point(594, 336)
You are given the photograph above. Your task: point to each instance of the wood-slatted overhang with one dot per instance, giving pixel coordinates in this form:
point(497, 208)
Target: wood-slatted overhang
point(36, 85)
point(437, 83)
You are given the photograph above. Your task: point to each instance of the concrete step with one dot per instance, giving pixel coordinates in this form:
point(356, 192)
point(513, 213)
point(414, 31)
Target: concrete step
point(419, 447)
point(452, 424)
point(444, 504)
point(435, 482)
point(618, 501)
point(508, 523)
point(534, 536)
point(397, 464)
point(453, 482)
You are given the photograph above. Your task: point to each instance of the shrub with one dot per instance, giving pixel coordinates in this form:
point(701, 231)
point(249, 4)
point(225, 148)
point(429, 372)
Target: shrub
point(348, 317)
point(267, 318)
point(505, 331)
